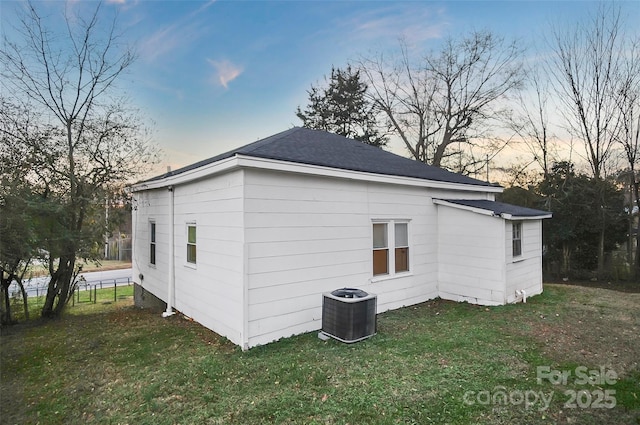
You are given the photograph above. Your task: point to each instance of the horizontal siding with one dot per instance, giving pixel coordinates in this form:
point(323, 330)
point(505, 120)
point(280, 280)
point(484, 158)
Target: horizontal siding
point(212, 291)
point(312, 232)
point(288, 247)
point(470, 256)
point(524, 272)
point(309, 235)
point(291, 218)
point(290, 238)
point(307, 260)
point(150, 206)
point(351, 276)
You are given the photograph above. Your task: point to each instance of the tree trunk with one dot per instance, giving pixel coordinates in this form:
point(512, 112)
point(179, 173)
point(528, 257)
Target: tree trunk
point(52, 289)
point(5, 311)
point(65, 295)
point(566, 259)
point(603, 226)
point(601, 252)
point(58, 293)
point(25, 303)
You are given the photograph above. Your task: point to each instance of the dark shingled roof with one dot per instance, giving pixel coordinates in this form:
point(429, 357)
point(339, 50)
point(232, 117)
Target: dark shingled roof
point(315, 147)
point(499, 207)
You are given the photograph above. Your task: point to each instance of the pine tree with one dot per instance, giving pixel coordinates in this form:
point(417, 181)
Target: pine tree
point(342, 108)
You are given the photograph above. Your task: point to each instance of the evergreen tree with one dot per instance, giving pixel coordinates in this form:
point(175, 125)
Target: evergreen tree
point(342, 108)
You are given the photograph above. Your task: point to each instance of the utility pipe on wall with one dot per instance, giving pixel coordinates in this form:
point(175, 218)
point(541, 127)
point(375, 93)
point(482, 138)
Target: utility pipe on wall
point(522, 293)
point(172, 271)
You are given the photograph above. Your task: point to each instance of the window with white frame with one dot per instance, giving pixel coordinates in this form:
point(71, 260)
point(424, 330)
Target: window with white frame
point(152, 243)
point(402, 247)
point(191, 243)
point(516, 239)
point(380, 249)
point(387, 234)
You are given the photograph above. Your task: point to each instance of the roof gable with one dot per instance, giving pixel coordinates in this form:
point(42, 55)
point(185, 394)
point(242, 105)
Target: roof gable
point(320, 148)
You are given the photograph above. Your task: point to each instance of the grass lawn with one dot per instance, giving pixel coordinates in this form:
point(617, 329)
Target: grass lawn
point(439, 362)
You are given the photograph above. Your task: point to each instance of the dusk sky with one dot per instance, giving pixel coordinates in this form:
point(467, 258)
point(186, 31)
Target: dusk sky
point(217, 75)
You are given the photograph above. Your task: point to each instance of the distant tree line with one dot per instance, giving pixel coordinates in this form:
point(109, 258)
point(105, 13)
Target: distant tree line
point(582, 206)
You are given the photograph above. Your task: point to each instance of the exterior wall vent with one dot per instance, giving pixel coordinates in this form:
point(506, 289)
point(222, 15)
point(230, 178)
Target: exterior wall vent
point(349, 314)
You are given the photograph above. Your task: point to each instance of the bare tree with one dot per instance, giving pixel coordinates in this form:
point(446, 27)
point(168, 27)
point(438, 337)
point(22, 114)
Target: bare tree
point(440, 107)
point(588, 67)
point(628, 137)
point(531, 121)
point(97, 141)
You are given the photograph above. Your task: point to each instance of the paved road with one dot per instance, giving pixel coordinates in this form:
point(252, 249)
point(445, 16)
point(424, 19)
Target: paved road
point(38, 285)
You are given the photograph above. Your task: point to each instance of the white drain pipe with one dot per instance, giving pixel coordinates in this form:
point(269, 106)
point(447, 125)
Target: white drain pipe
point(172, 267)
point(523, 294)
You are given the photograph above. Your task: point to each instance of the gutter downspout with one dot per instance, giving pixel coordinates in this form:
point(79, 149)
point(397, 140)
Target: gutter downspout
point(172, 272)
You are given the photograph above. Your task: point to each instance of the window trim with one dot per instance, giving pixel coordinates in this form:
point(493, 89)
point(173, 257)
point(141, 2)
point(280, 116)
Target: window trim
point(396, 248)
point(194, 244)
point(384, 249)
point(516, 241)
point(153, 236)
point(391, 243)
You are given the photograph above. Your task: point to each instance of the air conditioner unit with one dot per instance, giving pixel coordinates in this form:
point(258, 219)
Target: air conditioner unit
point(349, 315)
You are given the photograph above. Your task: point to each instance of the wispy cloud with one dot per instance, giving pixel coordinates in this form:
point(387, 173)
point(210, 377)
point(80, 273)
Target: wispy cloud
point(414, 22)
point(175, 35)
point(124, 4)
point(225, 72)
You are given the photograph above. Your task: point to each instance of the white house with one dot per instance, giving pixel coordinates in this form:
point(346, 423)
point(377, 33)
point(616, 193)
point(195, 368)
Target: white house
point(247, 242)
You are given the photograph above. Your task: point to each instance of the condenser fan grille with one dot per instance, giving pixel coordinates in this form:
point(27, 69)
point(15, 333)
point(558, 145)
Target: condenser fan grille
point(348, 316)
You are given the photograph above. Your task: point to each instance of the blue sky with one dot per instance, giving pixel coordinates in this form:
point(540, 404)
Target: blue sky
point(219, 74)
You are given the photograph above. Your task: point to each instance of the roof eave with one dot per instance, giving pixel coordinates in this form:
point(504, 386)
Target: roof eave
point(247, 161)
point(525, 217)
point(476, 210)
point(199, 173)
point(489, 212)
point(296, 167)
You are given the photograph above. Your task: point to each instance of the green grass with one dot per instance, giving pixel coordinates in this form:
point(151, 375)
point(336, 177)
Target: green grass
point(114, 364)
point(84, 302)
